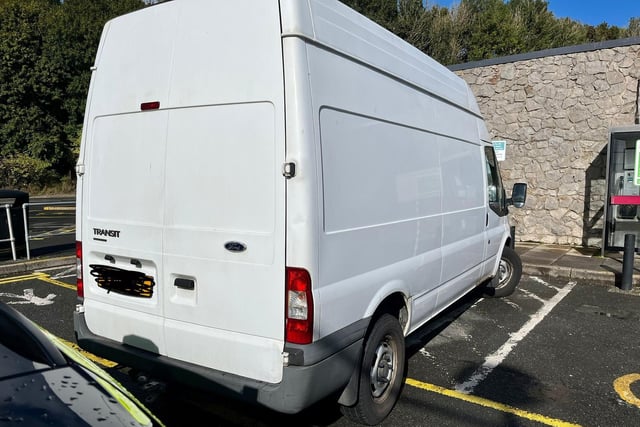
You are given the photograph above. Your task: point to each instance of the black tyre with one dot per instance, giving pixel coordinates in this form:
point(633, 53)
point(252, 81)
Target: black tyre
point(508, 277)
point(381, 373)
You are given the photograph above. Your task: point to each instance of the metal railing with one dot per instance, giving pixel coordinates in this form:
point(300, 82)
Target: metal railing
point(25, 215)
point(11, 238)
point(25, 207)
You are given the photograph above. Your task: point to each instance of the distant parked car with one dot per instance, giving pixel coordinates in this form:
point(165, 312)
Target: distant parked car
point(44, 382)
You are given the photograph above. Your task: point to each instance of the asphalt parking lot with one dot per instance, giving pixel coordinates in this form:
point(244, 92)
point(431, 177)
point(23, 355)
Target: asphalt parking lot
point(554, 353)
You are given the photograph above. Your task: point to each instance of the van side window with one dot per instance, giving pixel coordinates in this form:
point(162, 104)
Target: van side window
point(497, 197)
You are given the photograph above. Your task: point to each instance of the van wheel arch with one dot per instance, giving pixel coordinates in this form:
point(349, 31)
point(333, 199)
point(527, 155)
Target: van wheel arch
point(396, 306)
point(507, 277)
point(380, 375)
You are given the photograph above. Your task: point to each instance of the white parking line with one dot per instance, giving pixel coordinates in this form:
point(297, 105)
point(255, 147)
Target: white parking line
point(532, 296)
point(542, 282)
point(69, 272)
point(494, 360)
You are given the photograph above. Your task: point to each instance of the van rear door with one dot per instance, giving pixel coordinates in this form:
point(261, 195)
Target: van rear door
point(223, 239)
point(192, 185)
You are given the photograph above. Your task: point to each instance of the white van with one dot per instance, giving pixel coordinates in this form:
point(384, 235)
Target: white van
point(272, 195)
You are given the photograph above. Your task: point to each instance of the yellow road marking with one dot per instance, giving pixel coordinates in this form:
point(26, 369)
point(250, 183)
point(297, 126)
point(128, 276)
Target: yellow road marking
point(14, 279)
point(48, 279)
point(490, 404)
point(37, 276)
point(623, 387)
point(59, 208)
point(104, 362)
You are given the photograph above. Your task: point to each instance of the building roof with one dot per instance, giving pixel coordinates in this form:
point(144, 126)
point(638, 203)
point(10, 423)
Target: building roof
point(588, 47)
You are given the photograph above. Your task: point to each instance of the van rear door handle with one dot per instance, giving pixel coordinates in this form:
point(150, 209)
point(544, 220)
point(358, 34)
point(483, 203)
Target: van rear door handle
point(187, 284)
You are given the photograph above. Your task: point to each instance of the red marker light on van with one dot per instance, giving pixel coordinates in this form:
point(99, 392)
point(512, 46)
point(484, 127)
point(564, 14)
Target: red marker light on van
point(79, 281)
point(299, 306)
point(150, 105)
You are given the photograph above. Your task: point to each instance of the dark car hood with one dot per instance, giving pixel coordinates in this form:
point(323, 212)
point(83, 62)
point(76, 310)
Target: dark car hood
point(59, 397)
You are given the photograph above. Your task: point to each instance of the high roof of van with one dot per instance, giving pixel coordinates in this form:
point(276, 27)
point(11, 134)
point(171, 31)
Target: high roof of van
point(146, 64)
point(332, 24)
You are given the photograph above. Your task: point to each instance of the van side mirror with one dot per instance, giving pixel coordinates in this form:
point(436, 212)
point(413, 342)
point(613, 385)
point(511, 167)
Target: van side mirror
point(518, 195)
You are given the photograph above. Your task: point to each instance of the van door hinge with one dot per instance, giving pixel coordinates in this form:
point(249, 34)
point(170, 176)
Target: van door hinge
point(289, 170)
point(80, 169)
point(285, 359)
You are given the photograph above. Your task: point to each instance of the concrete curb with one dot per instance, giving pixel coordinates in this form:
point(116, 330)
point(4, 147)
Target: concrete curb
point(609, 278)
point(18, 267)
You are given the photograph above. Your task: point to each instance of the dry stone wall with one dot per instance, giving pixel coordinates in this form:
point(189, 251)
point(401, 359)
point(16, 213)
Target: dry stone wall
point(555, 113)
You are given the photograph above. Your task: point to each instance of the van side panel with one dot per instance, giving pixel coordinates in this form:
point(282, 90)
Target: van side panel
point(377, 173)
point(386, 172)
point(379, 102)
point(382, 201)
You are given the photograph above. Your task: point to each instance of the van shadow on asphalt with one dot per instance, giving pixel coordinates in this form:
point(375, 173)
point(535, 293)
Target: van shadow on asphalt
point(422, 336)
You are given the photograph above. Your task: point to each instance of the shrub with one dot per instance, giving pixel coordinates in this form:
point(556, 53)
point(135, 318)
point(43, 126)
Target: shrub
point(22, 172)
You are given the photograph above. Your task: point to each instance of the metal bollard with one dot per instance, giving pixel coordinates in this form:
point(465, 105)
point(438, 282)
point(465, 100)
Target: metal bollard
point(627, 262)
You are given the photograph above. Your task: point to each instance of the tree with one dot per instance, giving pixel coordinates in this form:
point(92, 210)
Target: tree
point(482, 29)
point(633, 30)
point(603, 32)
point(30, 95)
point(493, 30)
point(384, 12)
point(412, 23)
point(448, 32)
point(46, 49)
point(537, 28)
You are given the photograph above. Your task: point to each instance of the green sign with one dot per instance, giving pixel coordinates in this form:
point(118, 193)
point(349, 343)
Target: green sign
point(500, 147)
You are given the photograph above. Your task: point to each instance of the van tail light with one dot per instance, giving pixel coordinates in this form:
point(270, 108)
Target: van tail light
point(79, 282)
point(299, 306)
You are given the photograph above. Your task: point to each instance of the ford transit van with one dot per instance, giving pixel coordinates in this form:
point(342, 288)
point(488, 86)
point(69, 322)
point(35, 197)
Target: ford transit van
point(272, 194)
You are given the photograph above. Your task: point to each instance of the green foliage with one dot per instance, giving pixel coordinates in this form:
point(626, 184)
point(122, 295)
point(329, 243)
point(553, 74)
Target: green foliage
point(46, 50)
point(384, 12)
point(604, 32)
point(633, 30)
point(24, 172)
point(473, 30)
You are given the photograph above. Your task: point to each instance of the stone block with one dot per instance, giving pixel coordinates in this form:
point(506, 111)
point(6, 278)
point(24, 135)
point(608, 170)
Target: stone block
point(596, 67)
point(614, 77)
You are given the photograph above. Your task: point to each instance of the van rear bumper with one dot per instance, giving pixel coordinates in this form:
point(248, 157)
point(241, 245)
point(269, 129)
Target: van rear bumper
point(301, 385)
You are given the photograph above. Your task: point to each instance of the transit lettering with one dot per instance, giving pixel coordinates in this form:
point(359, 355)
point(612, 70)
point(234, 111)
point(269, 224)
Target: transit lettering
point(106, 233)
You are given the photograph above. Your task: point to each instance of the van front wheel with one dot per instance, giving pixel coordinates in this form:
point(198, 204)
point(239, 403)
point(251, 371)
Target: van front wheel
point(508, 277)
point(381, 373)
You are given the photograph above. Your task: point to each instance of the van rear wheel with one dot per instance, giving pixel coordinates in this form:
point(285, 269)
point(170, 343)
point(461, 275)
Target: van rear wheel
point(508, 277)
point(381, 373)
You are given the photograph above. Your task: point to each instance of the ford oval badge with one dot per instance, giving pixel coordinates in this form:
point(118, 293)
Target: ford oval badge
point(235, 247)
